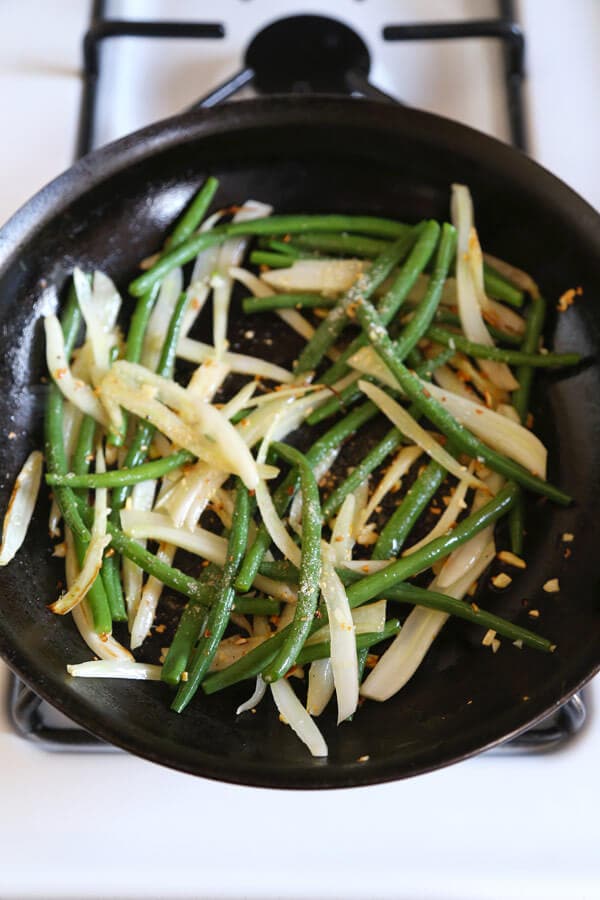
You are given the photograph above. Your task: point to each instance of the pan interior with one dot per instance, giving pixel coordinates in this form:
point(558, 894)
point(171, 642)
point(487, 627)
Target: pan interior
point(318, 157)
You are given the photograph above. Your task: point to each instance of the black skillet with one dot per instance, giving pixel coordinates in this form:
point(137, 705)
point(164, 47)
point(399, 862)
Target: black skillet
point(316, 154)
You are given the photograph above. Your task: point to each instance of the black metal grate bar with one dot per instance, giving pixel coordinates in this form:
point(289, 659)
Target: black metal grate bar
point(503, 29)
point(225, 90)
point(100, 30)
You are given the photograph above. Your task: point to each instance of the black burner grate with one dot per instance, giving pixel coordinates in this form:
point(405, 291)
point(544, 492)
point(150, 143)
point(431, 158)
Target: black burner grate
point(273, 64)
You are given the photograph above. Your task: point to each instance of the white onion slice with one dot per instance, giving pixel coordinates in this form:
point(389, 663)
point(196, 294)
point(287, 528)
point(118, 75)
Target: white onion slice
point(94, 553)
point(233, 648)
point(403, 461)
point(210, 436)
point(401, 660)
point(158, 527)
point(342, 636)
point(79, 393)
point(254, 700)
point(274, 525)
point(99, 337)
point(297, 717)
point(142, 498)
point(448, 518)
point(160, 318)
point(20, 506)
point(104, 646)
point(146, 611)
point(342, 534)
point(411, 428)
point(367, 619)
point(291, 317)
point(321, 469)
point(320, 686)
point(509, 412)
point(518, 277)
point(472, 300)
point(498, 431)
point(197, 352)
point(448, 380)
point(102, 668)
point(323, 276)
point(206, 381)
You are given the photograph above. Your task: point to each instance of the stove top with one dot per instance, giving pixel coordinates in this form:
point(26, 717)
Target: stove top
point(307, 54)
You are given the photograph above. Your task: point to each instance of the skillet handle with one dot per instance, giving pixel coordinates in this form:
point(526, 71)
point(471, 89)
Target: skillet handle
point(26, 712)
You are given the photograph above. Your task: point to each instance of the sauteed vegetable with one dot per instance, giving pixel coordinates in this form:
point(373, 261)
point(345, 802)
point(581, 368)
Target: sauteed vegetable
point(178, 463)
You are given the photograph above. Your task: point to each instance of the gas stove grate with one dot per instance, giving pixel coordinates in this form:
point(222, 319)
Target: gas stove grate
point(293, 72)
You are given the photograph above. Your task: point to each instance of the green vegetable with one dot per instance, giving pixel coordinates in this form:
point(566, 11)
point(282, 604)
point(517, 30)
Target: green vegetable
point(365, 285)
point(187, 251)
point(194, 214)
point(463, 439)
point(520, 398)
point(512, 357)
point(56, 461)
point(220, 610)
point(310, 566)
point(254, 662)
point(286, 301)
point(123, 477)
point(285, 491)
point(402, 521)
point(421, 320)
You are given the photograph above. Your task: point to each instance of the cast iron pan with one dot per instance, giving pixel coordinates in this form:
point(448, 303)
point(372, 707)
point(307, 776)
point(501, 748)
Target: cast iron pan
point(315, 154)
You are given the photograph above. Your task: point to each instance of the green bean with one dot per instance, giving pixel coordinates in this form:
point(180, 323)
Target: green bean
point(272, 260)
point(286, 301)
point(520, 398)
point(348, 395)
point(402, 521)
point(82, 454)
point(310, 566)
point(191, 623)
point(446, 317)
point(194, 214)
point(421, 320)
point(380, 582)
point(512, 357)
point(524, 374)
point(497, 286)
point(221, 607)
point(462, 609)
point(464, 440)
point(364, 641)
point(254, 662)
point(181, 233)
point(185, 252)
point(56, 461)
point(286, 490)
point(341, 244)
point(331, 327)
point(123, 477)
point(298, 224)
point(391, 302)
point(256, 606)
point(410, 593)
point(142, 438)
point(390, 442)
point(172, 259)
point(265, 243)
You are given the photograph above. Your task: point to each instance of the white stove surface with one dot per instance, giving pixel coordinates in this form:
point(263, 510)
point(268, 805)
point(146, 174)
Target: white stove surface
point(97, 826)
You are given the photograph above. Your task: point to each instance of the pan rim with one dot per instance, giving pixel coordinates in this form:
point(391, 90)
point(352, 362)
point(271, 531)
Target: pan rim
point(160, 137)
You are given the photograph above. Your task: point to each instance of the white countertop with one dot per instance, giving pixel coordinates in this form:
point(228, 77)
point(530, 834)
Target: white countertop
point(97, 826)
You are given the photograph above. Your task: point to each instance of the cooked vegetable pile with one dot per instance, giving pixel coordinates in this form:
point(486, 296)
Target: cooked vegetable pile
point(296, 557)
